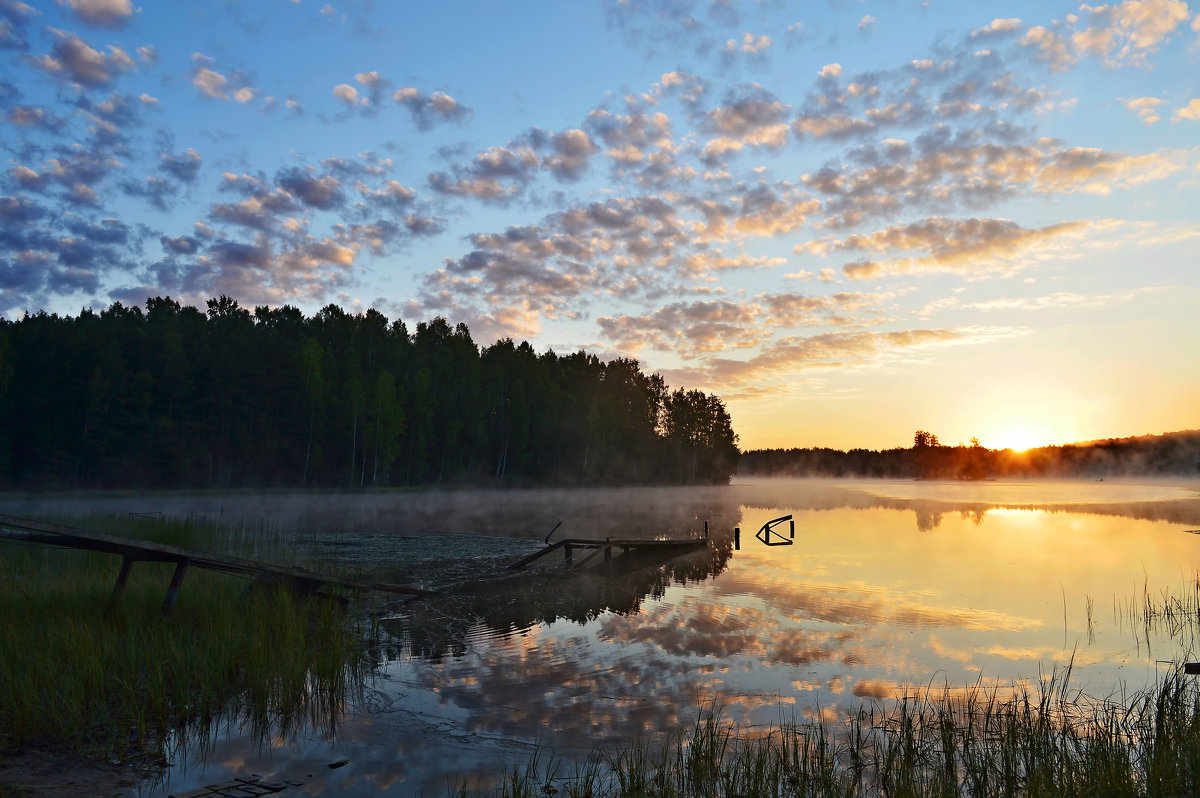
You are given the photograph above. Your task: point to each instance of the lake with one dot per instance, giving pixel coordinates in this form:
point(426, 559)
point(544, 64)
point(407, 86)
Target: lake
point(887, 588)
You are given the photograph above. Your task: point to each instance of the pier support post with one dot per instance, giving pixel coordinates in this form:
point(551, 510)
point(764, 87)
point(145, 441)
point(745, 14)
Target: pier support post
point(122, 579)
point(181, 569)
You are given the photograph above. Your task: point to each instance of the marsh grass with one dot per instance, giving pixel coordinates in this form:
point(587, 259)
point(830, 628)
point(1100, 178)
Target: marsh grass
point(84, 675)
point(973, 742)
point(1042, 739)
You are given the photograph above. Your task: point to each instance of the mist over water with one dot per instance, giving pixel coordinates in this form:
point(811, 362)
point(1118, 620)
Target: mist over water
point(889, 587)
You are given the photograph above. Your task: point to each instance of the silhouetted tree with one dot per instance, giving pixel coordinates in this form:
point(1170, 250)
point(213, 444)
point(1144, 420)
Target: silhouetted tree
point(175, 397)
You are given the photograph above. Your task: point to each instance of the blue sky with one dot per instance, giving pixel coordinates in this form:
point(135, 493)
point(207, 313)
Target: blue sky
point(850, 220)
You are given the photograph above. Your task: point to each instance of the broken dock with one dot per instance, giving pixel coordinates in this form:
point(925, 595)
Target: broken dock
point(605, 548)
point(300, 580)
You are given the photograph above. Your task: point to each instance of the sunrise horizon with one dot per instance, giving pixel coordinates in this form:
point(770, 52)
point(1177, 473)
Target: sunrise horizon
point(848, 223)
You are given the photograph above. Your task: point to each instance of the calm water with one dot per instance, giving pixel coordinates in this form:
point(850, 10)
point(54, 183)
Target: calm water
point(889, 587)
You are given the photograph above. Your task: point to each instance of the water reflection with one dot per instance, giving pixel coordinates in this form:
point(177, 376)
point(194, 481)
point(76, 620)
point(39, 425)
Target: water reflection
point(459, 617)
point(889, 587)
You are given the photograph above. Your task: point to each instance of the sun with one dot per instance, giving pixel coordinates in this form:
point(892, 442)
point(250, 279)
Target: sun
point(1016, 439)
point(1018, 435)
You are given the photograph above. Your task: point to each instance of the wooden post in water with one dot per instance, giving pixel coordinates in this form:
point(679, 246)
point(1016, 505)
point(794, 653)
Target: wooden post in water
point(181, 569)
point(122, 579)
point(737, 538)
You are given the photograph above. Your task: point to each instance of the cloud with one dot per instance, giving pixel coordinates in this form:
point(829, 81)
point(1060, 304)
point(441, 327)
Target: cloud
point(158, 192)
point(324, 192)
point(1190, 112)
point(32, 116)
point(630, 139)
point(218, 86)
point(703, 265)
point(1128, 32)
point(1144, 107)
point(570, 152)
point(866, 24)
point(101, 13)
point(653, 24)
point(1059, 301)
point(56, 254)
point(347, 94)
point(944, 170)
point(1092, 170)
point(496, 174)
point(623, 247)
point(997, 27)
point(14, 18)
point(184, 167)
point(1048, 47)
point(690, 328)
point(750, 46)
point(73, 60)
point(428, 110)
point(748, 115)
point(761, 210)
point(836, 350)
point(703, 327)
point(970, 246)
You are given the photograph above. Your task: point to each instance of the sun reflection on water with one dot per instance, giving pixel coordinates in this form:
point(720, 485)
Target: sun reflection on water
point(882, 594)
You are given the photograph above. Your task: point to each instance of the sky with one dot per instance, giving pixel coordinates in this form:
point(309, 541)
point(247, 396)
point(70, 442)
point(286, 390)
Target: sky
point(850, 220)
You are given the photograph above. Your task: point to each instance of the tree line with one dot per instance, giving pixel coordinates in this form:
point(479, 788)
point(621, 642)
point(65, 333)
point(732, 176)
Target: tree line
point(173, 397)
point(1176, 453)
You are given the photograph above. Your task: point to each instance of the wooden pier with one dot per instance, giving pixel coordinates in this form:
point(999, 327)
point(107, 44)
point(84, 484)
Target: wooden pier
point(597, 548)
point(299, 580)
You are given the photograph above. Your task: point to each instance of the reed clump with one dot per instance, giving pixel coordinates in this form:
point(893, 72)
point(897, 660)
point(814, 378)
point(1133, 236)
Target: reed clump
point(83, 674)
point(970, 742)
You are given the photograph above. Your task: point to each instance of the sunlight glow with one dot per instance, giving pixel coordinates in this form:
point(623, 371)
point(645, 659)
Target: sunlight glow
point(1018, 435)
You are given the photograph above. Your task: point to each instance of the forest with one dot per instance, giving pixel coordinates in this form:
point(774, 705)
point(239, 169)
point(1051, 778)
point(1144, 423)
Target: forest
point(173, 397)
point(1175, 454)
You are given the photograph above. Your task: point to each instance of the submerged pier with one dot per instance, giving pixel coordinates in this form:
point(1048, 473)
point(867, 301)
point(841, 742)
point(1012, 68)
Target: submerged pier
point(299, 580)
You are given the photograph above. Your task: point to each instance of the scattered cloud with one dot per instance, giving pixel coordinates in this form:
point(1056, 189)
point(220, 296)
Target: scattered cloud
point(997, 27)
point(969, 246)
point(1190, 112)
point(1127, 32)
point(1144, 107)
point(73, 60)
point(428, 110)
point(218, 86)
point(100, 13)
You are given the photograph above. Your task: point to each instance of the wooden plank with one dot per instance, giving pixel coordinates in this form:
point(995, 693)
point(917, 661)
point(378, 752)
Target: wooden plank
point(598, 545)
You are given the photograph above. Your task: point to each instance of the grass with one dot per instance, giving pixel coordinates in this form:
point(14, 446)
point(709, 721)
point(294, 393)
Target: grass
point(85, 676)
point(934, 743)
point(1051, 740)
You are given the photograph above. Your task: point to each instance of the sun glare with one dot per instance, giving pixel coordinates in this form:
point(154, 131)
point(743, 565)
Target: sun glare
point(1018, 437)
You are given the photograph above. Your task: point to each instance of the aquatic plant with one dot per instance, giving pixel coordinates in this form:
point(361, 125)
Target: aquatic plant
point(85, 674)
point(1048, 739)
point(972, 742)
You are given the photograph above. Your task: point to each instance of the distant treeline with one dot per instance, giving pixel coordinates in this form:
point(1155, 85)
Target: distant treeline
point(173, 397)
point(1176, 453)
